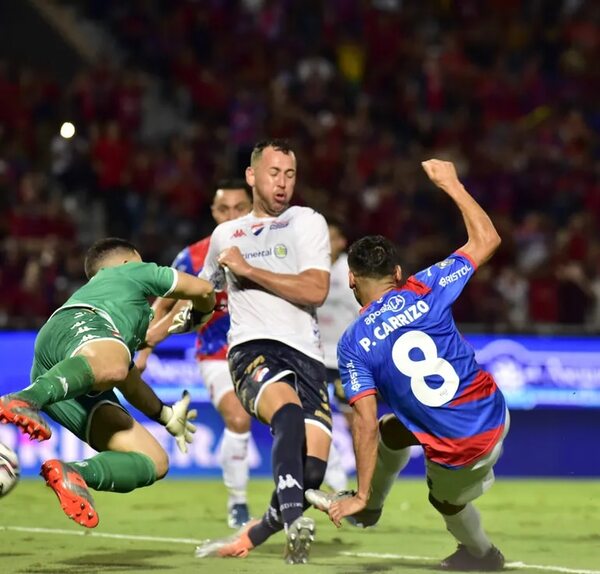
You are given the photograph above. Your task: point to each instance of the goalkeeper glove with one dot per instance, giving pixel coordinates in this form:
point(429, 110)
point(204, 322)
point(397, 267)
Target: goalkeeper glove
point(189, 319)
point(176, 419)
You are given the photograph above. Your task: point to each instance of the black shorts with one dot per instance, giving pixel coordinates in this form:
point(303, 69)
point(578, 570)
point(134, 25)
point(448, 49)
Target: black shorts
point(256, 364)
point(333, 379)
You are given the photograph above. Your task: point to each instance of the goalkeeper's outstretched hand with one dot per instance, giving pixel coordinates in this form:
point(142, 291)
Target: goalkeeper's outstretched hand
point(176, 419)
point(188, 319)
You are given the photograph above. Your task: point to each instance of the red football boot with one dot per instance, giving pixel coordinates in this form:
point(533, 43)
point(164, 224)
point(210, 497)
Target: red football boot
point(25, 416)
point(72, 491)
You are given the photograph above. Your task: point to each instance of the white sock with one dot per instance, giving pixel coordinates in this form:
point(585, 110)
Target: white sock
point(389, 463)
point(466, 527)
point(234, 462)
point(335, 475)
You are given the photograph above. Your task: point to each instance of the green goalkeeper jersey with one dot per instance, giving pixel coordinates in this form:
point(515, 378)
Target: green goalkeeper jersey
point(121, 295)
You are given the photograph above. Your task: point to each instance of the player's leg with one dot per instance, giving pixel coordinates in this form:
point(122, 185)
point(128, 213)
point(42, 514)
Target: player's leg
point(68, 363)
point(393, 454)
point(138, 460)
point(234, 445)
point(335, 475)
point(265, 385)
point(451, 493)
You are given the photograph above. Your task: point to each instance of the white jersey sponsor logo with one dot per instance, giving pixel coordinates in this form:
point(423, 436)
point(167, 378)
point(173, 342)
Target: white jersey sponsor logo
point(394, 303)
point(390, 324)
point(454, 276)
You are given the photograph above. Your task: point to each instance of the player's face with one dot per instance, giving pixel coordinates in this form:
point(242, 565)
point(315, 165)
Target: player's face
point(272, 179)
point(230, 204)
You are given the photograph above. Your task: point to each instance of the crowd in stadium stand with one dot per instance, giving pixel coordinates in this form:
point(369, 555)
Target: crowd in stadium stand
point(365, 90)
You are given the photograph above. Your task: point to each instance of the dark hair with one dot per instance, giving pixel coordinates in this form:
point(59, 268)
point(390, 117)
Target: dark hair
point(277, 144)
point(101, 249)
point(236, 183)
point(373, 256)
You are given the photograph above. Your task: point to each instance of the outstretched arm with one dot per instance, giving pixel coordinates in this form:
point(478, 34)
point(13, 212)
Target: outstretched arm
point(198, 291)
point(483, 239)
point(365, 435)
point(175, 418)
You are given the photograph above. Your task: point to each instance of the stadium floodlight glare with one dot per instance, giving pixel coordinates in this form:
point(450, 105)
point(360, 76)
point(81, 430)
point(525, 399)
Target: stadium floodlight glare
point(67, 130)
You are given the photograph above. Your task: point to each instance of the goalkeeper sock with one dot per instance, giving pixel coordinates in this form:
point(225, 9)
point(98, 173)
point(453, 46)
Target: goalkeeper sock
point(234, 462)
point(70, 378)
point(466, 527)
point(287, 426)
point(389, 463)
point(117, 471)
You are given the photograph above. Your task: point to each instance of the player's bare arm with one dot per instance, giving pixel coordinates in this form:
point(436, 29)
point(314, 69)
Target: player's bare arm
point(198, 291)
point(483, 239)
point(155, 334)
point(175, 418)
point(309, 287)
point(139, 394)
point(365, 436)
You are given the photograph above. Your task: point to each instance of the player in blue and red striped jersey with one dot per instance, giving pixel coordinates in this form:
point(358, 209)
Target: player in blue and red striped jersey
point(406, 346)
point(232, 200)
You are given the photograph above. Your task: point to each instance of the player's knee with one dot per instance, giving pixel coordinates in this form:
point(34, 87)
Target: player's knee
point(444, 507)
point(238, 422)
point(289, 420)
point(161, 463)
point(314, 472)
point(394, 434)
point(111, 375)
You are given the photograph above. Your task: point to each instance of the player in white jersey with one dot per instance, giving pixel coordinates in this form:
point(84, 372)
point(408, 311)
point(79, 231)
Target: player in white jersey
point(231, 200)
point(275, 263)
point(335, 315)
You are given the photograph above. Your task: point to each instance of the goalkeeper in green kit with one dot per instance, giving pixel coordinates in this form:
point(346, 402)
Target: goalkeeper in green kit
point(82, 353)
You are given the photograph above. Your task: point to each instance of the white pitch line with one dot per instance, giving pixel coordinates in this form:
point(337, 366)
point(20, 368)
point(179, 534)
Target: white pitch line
point(517, 565)
point(143, 538)
point(92, 534)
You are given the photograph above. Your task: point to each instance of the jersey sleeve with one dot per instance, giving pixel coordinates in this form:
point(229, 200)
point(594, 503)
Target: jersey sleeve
point(211, 270)
point(155, 279)
point(313, 236)
point(446, 279)
point(183, 261)
point(355, 373)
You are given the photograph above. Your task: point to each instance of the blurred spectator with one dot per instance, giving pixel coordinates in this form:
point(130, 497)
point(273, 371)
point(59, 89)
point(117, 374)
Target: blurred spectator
point(367, 90)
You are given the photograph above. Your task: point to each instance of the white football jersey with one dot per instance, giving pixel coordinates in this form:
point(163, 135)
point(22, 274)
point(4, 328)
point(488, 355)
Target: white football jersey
point(339, 310)
point(293, 242)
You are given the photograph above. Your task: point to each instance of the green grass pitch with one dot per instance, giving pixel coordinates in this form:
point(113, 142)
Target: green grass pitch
point(541, 526)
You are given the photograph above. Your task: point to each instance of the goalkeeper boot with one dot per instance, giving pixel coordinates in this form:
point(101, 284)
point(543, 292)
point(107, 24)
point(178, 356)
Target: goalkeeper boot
point(300, 536)
point(236, 546)
point(238, 515)
point(25, 416)
point(72, 492)
point(323, 500)
point(462, 560)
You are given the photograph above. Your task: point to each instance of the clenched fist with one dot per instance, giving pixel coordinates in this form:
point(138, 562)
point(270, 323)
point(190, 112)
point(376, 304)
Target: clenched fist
point(441, 173)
